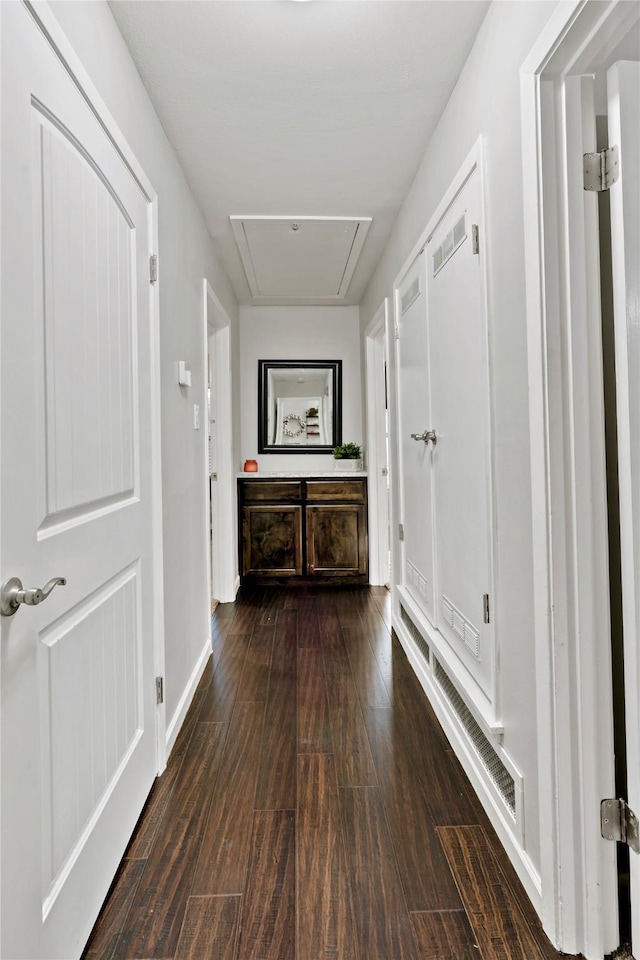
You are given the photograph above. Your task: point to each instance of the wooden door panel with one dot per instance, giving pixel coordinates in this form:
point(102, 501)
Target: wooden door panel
point(272, 540)
point(336, 540)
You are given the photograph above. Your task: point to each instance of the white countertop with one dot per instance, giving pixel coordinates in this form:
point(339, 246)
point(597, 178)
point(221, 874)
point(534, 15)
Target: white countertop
point(302, 474)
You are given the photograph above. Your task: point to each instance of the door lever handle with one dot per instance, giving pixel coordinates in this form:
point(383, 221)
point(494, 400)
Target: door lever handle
point(426, 435)
point(13, 594)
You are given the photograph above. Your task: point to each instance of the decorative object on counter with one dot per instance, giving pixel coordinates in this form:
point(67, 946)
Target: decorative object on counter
point(312, 412)
point(347, 456)
point(250, 466)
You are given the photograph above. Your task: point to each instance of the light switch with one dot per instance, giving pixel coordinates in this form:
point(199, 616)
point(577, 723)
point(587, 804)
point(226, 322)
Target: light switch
point(184, 374)
point(196, 417)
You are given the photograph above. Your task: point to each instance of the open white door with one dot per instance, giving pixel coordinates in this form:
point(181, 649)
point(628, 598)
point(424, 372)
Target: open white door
point(623, 82)
point(77, 670)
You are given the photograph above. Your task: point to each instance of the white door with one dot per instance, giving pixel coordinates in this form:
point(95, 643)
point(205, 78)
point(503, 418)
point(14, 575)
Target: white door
point(459, 380)
point(623, 81)
point(77, 670)
point(414, 424)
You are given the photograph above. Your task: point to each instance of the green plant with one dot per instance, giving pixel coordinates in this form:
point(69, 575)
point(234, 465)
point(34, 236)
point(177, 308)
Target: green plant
point(312, 412)
point(347, 451)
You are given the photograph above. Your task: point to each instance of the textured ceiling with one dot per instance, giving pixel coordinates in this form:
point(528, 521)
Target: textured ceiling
point(293, 109)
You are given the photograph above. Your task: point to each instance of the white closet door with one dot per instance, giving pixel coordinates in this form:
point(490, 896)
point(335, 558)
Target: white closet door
point(623, 82)
point(78, 691)
point(415, 419)
point(459, 379)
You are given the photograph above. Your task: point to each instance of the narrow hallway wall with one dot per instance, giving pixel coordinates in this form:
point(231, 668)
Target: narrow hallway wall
point(486, 102)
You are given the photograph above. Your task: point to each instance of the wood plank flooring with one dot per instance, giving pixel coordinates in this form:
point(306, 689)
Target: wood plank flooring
point(312, 808)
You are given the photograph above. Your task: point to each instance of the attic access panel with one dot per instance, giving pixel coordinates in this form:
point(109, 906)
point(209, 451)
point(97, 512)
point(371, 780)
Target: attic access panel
point(299, 258)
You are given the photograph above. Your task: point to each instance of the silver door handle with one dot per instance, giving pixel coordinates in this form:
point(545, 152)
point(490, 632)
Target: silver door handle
point(427, 435)
point(13, 594)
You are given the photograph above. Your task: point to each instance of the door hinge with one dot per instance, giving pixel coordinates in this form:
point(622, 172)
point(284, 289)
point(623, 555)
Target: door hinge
point(153, 268)
point(485, 604)
point(159, 689)
point(475, 238)
point(619, 822)
point(601, 170)
point(401, 531)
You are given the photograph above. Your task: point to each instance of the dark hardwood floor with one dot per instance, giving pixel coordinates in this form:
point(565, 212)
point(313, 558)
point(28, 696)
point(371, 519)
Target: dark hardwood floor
point(312, 808)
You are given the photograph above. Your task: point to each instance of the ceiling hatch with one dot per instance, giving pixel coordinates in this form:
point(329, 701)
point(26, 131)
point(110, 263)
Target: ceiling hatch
point(299, 258)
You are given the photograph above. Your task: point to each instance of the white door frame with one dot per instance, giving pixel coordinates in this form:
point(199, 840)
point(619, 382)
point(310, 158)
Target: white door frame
point(570, 538)
point(51, 29)
point(376, 352)
point(216, 324)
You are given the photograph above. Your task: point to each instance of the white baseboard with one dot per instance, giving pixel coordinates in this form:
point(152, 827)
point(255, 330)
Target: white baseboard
point(184, 703)
point(511, 840)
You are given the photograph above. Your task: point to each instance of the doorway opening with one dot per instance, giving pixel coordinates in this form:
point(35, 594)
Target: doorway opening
point(571, 502)
point(378, 447)
point(219, 488)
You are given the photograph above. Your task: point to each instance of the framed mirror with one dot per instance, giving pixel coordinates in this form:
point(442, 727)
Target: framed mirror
point(299, 406)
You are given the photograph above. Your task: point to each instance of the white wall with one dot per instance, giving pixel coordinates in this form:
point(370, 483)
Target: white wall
point(486, 101)
point(298, 333)
point(186, 255)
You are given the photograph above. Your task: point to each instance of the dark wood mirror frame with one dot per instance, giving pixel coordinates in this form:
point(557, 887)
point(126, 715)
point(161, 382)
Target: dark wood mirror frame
point(266, 369)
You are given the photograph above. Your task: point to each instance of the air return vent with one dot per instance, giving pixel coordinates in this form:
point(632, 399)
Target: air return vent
point(463, 628)
point(450, 244)
point(502, 779)
point(410, 295)
point(421, 643)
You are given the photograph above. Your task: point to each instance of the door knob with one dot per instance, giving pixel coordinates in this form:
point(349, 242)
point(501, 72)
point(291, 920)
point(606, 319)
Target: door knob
point(426, 435)
point(12, 594)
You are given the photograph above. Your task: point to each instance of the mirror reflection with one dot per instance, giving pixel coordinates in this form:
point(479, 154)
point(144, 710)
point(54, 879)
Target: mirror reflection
point(299, 406)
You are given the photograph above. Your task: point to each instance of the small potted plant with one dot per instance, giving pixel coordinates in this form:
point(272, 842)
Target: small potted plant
point(348, 456)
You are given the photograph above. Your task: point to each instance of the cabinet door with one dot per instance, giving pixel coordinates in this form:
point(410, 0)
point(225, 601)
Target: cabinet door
point(336, 540)
point(272, 540)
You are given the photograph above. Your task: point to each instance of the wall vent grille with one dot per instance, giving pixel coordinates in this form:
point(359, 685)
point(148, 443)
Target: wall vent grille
point(410, 295)
point(419, 583)
point(450, 244)
point(494, 766)
point(421, 643)
point(463, 628)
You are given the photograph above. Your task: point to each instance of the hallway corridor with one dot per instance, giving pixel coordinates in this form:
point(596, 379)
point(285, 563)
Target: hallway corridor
point(313, 809)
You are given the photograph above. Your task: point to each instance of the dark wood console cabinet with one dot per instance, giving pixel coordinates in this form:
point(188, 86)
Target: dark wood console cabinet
point(303, 529)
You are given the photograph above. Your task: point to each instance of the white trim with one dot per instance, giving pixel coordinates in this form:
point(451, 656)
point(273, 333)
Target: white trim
point(237, 225)
point(47, 23)
point(375, 344)
point(575, 738)
point(187, 696)
point(218, 324)
point(156, 473)
point(474, 697)
point(510, 834)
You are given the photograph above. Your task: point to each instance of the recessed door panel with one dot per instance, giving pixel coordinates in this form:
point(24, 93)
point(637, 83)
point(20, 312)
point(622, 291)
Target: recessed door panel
point(415, 421)
point(88, 257)
point(459, 376)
